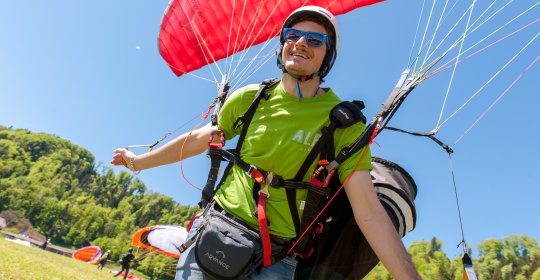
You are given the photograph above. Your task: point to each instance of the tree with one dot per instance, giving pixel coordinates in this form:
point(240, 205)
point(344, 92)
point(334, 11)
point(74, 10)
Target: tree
point(514, 257)
point(428, 258)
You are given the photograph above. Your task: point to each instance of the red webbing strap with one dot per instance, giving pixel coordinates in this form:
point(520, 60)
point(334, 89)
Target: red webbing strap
point(263, 226)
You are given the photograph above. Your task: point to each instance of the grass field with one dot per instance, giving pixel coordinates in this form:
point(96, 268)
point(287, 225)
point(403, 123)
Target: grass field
point(19, 262)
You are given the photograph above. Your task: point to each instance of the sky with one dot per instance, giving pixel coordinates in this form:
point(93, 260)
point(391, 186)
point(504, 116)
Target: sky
point(91, 73)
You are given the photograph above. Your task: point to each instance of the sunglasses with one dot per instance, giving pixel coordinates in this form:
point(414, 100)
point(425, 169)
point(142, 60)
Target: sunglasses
point(314, 39)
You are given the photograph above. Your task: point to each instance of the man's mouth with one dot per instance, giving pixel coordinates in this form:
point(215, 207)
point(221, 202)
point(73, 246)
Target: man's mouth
point(300, 55)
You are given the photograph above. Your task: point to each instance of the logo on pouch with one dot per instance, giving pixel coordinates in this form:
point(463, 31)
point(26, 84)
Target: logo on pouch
point(217, 260)
point(344, 113)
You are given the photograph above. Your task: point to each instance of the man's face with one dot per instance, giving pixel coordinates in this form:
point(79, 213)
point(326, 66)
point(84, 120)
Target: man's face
point(299, 57)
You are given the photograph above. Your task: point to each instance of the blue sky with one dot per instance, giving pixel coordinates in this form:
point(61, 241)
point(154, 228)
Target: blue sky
point(91, 73)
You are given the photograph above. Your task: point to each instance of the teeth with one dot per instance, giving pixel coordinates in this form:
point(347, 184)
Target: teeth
point(299, 55)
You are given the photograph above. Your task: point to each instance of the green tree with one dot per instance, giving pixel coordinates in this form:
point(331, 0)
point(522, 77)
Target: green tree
point(428, 258)
point(514, 257)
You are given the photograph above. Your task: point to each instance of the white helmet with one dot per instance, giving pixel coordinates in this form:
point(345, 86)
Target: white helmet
point(323, 17)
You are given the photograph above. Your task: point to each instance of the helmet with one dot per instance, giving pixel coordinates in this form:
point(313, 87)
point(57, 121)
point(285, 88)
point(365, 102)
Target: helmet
point(323, 17)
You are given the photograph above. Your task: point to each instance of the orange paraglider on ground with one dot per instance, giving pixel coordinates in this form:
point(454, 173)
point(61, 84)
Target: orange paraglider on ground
point(165, 239)
point(90, 254)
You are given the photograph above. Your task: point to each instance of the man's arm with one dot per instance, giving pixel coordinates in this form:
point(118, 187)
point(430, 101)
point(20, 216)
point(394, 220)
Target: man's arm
point(188, 144)
point(377, 227)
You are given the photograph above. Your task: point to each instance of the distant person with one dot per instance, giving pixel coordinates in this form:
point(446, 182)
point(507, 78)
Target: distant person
point(125, 261)
point(103, 260)
point(45, 244)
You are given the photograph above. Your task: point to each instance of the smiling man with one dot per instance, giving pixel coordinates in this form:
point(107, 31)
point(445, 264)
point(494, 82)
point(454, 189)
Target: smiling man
point(309, 43)
point(252, 221)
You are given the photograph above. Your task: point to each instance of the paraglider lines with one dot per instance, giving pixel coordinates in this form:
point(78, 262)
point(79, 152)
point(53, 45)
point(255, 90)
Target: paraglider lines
point(489, 81)
point(462, 242)
point(497, 100)
point(455, 65)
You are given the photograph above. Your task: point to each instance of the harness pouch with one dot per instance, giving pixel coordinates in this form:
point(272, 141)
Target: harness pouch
point(343, 252)
point(227, 249)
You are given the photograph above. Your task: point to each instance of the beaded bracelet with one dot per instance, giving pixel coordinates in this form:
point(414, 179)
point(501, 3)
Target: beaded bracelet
point(129, 164)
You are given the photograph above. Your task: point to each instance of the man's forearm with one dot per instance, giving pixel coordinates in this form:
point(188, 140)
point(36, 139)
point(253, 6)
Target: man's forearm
point(377, 227)
point(182, 147)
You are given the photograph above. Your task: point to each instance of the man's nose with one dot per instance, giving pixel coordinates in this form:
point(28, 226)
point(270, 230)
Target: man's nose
point(302, 41)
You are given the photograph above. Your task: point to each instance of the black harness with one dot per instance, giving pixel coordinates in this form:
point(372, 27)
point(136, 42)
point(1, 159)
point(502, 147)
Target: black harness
point(320, 185)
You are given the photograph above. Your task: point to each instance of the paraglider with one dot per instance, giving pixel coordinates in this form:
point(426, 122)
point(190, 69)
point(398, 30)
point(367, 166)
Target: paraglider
point(189, 40)
point(90, 254)
point(193, 35)
point(165, 239)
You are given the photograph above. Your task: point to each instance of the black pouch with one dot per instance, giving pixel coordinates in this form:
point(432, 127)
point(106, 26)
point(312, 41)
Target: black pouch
point(226, 249)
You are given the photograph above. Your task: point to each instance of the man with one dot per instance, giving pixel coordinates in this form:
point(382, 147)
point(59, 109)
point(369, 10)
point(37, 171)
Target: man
point(281, 134)
point(103, 260)
point(125, 261)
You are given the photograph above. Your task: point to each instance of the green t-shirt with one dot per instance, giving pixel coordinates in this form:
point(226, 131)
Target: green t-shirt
point(279, 138)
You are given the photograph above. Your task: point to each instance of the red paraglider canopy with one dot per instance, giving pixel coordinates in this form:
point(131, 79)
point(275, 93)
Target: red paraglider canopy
point(195, 33)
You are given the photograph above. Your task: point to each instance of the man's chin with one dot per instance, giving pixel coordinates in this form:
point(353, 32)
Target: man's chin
point(297, 71)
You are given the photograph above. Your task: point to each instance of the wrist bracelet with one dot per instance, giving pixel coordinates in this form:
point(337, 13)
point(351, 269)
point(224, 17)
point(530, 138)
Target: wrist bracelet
point(129, 164)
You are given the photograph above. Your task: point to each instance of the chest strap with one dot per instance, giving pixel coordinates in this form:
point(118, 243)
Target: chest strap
point(271, 179)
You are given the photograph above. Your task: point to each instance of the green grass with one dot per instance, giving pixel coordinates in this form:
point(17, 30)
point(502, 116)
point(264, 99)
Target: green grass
point(21, 262)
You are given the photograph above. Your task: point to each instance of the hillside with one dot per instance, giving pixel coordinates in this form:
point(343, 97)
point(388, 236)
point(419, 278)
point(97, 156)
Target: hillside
point(56, 186)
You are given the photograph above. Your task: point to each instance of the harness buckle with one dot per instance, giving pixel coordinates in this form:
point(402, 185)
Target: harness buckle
point(264, 191)
point(254, 173)
point(314, 178)
point(213, 141)
point(250, 170)
point(269, 180)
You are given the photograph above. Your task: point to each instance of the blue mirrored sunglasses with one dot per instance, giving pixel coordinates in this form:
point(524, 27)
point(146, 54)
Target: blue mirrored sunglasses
point(314, 39)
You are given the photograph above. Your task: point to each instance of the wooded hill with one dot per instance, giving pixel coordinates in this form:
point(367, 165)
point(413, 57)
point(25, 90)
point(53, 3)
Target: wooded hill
point(55, 186)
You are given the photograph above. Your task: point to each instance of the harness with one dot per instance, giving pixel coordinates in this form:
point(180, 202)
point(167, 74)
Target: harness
point(319, 186)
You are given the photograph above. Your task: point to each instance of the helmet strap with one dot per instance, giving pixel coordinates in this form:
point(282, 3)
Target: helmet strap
point(301, 78)
point(298, 90)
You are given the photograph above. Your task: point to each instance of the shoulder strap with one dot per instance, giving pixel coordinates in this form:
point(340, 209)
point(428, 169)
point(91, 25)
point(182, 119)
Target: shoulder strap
point(245, 119)
point(348, 113)
point(342, 115)
point(216, 153)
